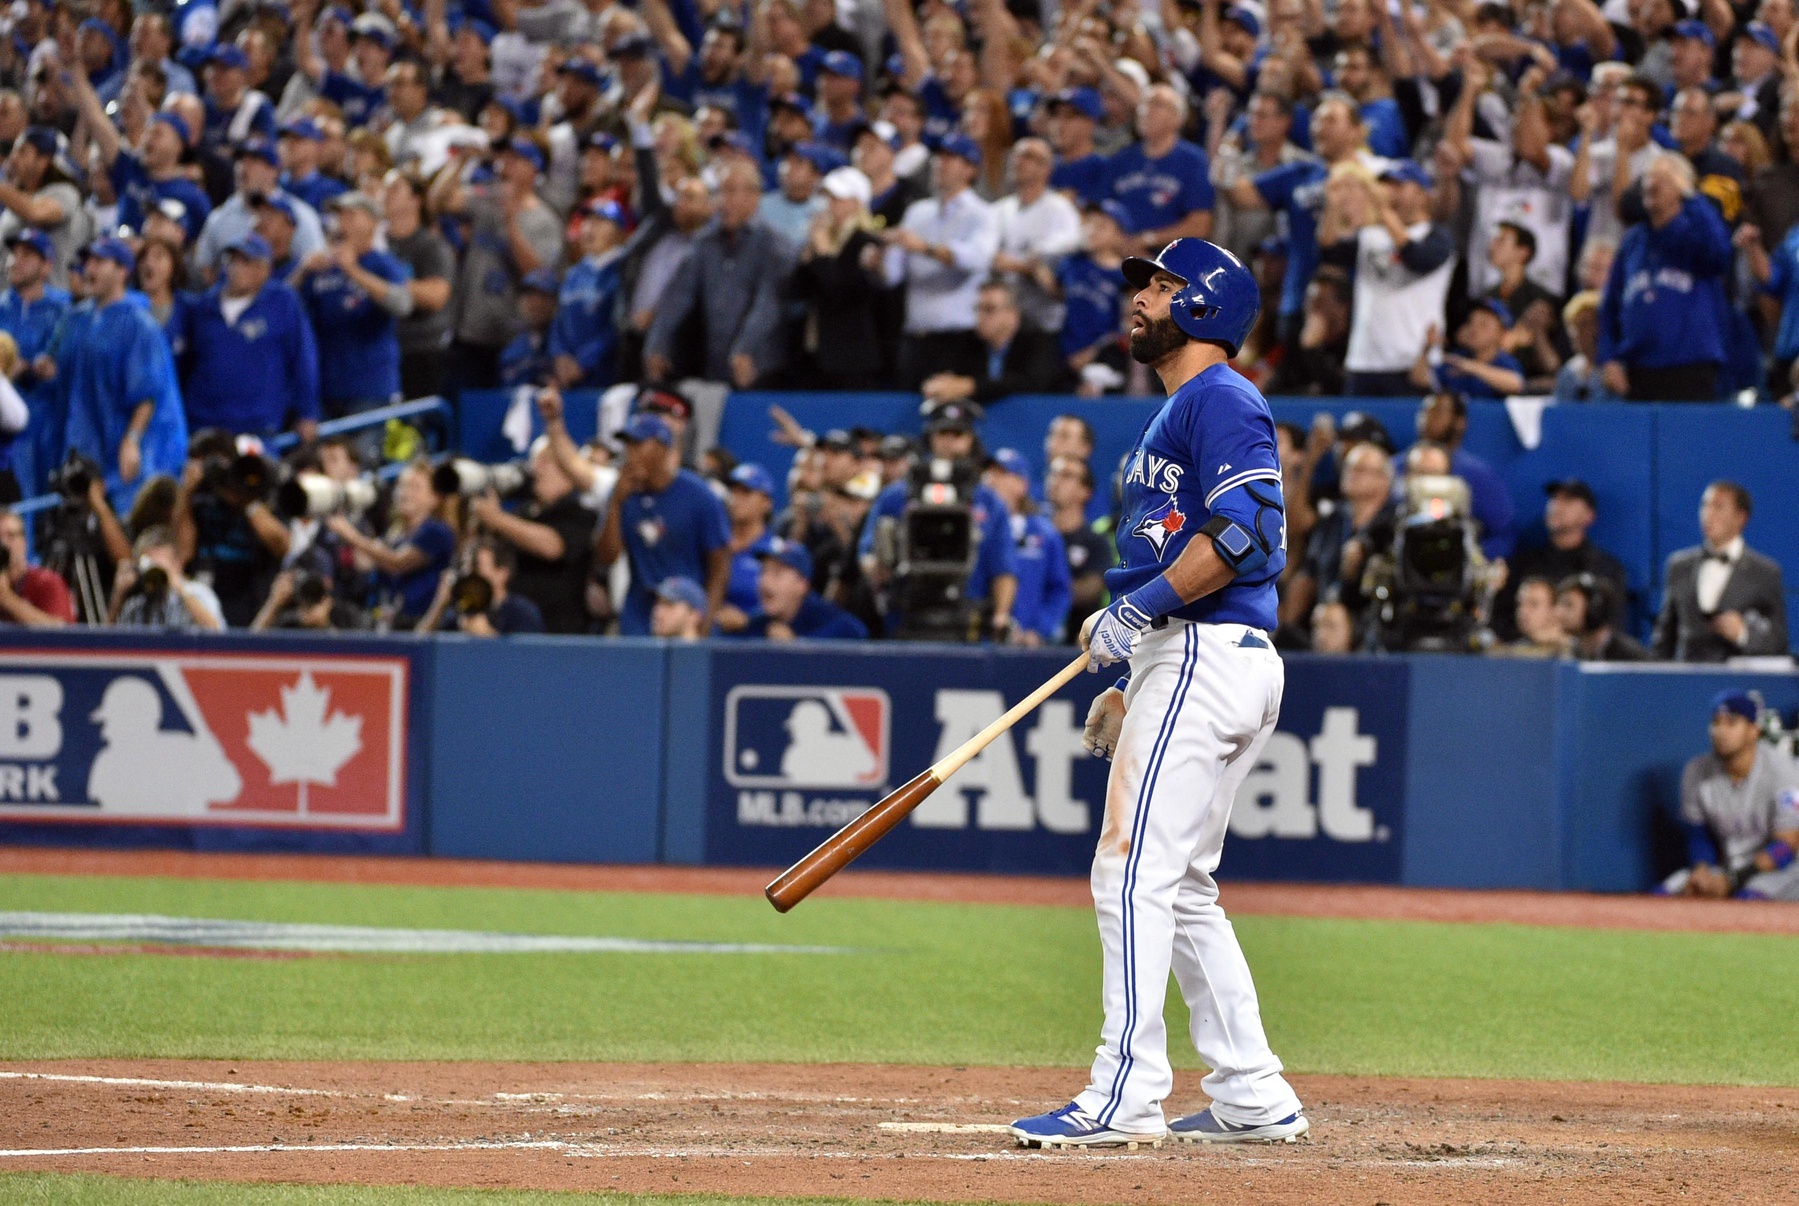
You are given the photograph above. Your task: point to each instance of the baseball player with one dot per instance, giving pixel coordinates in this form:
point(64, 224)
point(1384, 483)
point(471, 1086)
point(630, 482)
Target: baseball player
point(1200, 546)
point(1739, 805)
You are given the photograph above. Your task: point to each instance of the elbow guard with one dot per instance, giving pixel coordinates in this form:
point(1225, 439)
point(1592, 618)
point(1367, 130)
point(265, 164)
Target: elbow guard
point(1250, 531)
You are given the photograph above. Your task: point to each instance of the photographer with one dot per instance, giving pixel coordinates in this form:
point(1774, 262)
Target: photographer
point(153, 592)
point(29, 595)
point(223, 526)
point(478, 602)
point(303, 601)
point(972, 604)
point(593, 477)
point(416, 552)
point(552, 536)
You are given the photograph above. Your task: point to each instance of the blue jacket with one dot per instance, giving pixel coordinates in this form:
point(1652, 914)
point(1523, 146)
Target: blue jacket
point(584, 312)
point(250, 376)
point(116, 361)
point(33, 327)
point(359, 345)
point(526, 360)
point(1664, 302)
point(1044, 586)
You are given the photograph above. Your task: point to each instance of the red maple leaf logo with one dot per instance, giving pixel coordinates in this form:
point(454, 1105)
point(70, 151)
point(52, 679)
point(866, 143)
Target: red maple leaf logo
point(1173, 522)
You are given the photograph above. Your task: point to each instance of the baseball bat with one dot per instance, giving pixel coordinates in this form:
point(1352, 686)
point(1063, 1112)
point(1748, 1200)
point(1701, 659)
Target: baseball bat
point(847, 844)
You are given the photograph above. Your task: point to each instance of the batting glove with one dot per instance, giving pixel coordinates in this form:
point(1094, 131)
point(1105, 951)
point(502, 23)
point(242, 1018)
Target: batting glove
point(1112, 635)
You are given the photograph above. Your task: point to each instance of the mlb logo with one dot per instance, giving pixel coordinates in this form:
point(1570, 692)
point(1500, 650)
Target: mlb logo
point(807, 737)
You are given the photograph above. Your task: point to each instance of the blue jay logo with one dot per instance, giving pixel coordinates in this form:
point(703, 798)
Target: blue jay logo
point(1161, 525)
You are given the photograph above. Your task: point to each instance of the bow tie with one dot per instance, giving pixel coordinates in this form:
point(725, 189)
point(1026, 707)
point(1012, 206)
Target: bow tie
point(1723, 558)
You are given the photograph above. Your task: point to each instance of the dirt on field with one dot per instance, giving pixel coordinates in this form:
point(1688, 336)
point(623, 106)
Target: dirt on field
point(879, 1132)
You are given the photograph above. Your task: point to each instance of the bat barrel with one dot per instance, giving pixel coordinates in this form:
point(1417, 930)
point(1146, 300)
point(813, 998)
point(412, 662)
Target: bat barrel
point(847, 844)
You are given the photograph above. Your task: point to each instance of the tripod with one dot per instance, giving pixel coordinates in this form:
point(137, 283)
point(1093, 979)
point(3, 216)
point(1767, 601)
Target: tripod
point(70, 537)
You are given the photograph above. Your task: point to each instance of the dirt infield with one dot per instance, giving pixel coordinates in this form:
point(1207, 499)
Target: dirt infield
point(1299, 900)
point(877, 1132)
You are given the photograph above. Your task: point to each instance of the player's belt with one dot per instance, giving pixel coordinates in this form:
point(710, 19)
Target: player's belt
point(1251, 638)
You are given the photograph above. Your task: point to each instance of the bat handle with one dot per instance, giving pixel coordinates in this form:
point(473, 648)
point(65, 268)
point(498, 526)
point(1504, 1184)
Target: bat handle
point(960, 757)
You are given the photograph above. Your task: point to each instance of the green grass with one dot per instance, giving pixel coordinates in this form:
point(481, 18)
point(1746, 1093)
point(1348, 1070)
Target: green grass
point(935, 983)
point(60, 1189)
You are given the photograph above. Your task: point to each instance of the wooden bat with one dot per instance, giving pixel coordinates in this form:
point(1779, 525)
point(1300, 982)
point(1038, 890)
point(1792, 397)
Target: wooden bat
point(847, 844)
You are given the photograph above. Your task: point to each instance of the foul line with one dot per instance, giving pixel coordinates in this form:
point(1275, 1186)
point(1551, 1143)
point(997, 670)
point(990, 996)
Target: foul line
point(219, 1086)
point(948, 1128)
point(471, 1145)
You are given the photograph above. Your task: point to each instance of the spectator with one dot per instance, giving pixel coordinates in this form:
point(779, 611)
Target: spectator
point(667, 522)
point(30, 595)
point(1012, 358)
point(1580, 378)
point(1721, 599)
point(679, 610)
point(790, 610)
point(37, 194)
point(301, 146)
point(1538, 622)
point(1037, 228)
point(527, 359)
point(1533, 308)
point(749, 503)
point(731, 285)
point(1755, 71)
point(1163, 181)
point(1569, 511)
point(124, 407)
point(414, 555)
point(789, 209)
point(1443, 419)
point(1360, 74)
point(248, 362)
point(142, 179)
point(277, 221)
point(258, 177)
point(1623, 159)
point(353, 294)
point(1401, 264)
point(942, 253)
point(1586, 607)
point(1739, 805)
point(583, 340)
point(424, 334)
point(1264, 145)
point(846, 332)
point(1341, 543)
point(489, 609)
point(1091, 288)
point(31, 311)
point(1662, 315)
point(1313, 364)
point(1479, 367)
point(1068, 489)
point(1041, 608)
point(1772, 205)
point(1081, 171)
point(551, 536)
point(152, 591)
point(512, 234)
point(1333, 628)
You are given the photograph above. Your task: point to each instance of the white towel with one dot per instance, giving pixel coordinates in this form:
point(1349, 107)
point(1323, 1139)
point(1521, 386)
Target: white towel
point(516, 426)
point(1527, 419)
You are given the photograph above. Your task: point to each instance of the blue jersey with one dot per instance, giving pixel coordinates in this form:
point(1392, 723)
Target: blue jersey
point(818, 619)
point(583, 327)
point(1386, 129)
point(413, 592)
point(357, 99)
point(316, 189)
point(33, 326)
point(746, 574)
point(993, 558)
point(1160, 192)
point(1296, 191)
point(1210, 441)
point(527, 360)
point(138, 194)
point(1084, 177)
point(359, 346)
point(1044, 587)
point(1470, 386)
point(1094, 297)
point(671, 534)
point(252, 375)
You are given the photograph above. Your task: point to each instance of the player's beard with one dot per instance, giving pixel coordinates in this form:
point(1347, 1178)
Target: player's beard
point(1155, 339)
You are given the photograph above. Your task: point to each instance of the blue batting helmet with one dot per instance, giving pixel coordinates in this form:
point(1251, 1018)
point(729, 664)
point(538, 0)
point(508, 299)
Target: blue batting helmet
point(1218, 301)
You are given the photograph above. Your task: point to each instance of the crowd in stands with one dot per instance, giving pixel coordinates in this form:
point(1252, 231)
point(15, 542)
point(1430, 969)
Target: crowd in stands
point(220, 223)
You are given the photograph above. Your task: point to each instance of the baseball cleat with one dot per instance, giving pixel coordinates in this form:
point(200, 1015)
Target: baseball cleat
point(1203, 1127)
point(1072, 1126)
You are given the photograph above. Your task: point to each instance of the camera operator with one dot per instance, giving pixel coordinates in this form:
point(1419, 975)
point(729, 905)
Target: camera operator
point(991, 585)
point(29, 595)
point(478, 601)
point(416, 552)
point(1431, 589)
point(302, 600)
point(552, 535)
point(1044, 585)
point(152, 592)
point(223, 526)
point(1587, 606)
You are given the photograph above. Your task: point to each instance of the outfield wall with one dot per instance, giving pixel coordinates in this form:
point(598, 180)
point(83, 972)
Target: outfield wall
point(1427, 770)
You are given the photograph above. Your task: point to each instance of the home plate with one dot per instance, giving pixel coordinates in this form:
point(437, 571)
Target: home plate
point(948, 1128)
point(291, 936)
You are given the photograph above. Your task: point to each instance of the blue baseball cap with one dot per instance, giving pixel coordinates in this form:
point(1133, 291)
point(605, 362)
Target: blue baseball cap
point(1084, 101)
point(527, 150)
point(340, 15)
point(282, 206)
point(475, 25)
point(647, 427)
point(605, 208)
point(790, 100)
point(599, 140)
point(582, 70)
point(1738, 702)
point(752, 476)
point(258, 148)
point(961, 146)
point(305, 128)
point(825, 158)
point(1114, 210)
point(632, 46)
point(842, 62)
point(35, 239)
point(41, 139)
point(1244, 16)
point(227, 54)
point(790, 553)
point(682, 590)
point(1406, 171)
point(542, 280)
point(116, 250)
point(734, 140)
point(1762, 33)
point(177, 123)
point(251, 247)
point(375, 31)
point(1699, 31)
point(1010, 460)
point(1497, 308)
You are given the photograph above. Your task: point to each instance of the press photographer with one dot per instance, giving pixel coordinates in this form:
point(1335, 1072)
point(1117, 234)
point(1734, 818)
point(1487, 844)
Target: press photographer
point(478, 600)
point(551, 535)
point(939, 543)
point(302, 600)
point(152, 591)
point(29, 595)
point(226, 531)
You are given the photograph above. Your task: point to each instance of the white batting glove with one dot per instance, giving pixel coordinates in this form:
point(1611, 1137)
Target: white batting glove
point(1112, 635)
point(1104, 720)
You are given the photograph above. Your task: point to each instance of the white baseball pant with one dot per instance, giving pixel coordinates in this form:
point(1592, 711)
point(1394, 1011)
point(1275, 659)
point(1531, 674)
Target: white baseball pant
point(1200, 708)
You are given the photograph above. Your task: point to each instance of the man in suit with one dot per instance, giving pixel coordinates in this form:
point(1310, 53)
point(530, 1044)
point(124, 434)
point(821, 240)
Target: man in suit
point(1723, 599)
point(1008, 357)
